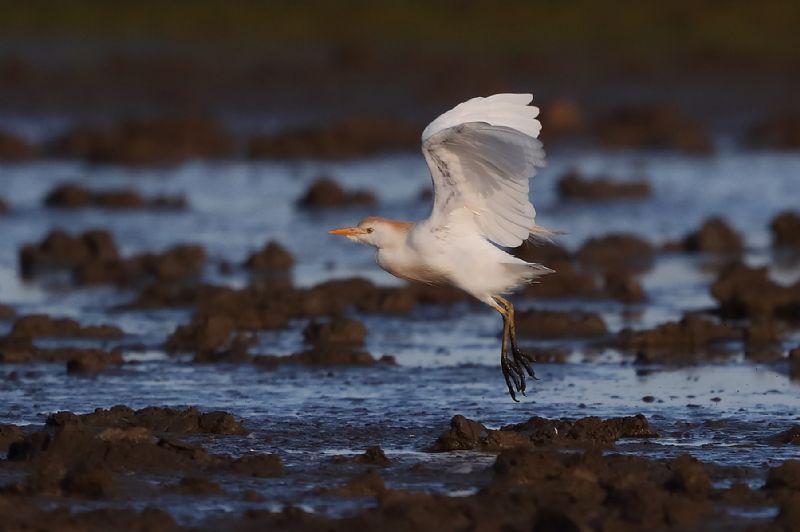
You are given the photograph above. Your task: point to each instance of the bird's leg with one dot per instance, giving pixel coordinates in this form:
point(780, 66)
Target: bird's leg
point(520, 358)
point(512, 373)
point(512, 379)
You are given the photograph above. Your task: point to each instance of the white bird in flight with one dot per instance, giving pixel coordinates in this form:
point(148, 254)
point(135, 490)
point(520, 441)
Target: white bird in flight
point(481, 155)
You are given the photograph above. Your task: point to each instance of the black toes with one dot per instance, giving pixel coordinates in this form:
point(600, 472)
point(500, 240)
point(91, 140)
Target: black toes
point(514, 369)
point(507, 375)
point(525, 360)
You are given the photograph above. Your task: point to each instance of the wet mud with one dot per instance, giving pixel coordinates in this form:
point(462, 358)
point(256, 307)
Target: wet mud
point(326, 193)
point(164, 140)
point(353, 137)
point(654, 126)
point(573, 186)
point(528, 481)
point(275, 379)
point(93, 258)
point(786, 230)
point(75, 196)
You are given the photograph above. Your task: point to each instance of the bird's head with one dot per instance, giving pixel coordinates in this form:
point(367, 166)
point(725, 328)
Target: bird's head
point(376, 232)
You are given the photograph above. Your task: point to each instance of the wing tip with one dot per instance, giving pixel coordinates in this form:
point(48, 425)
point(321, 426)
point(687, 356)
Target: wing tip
point(517, 97)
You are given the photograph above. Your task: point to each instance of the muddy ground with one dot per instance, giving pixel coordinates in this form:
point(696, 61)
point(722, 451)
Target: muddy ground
point(180, 386)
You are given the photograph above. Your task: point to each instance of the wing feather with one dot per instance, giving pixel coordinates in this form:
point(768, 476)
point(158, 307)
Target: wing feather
point(482, 154)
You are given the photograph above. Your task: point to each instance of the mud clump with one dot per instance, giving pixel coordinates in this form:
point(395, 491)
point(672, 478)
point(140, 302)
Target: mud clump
point(205, 333)
point(780, 132)
point(213, 338)
point(93, 258)
point(7, 313)
point(250, 309)
point(387, 300)
point(547, 254)
point(744, 292)
point(558, 324)
point(86, 455)
point(92, 361)
point(616, 252)
point(60, 250)
point(794, 363)
point(338, 331)
point(561, 118)
point(573, 186)
point(8, 435)
point(31, 517)
point(20, 349)
point(61, 459)
point(788, 517)
point(195, 486)
point(368, 484)
point(271, 305)
point(623, 287)
point(689, 476)
point(623, 490)
point(587, 478)
point(466, 434)
point(40, 325)
point(677, 342)
point(548, 355)
point(75, 196)
point(15, 149)
point(784, 477)
point(327, 193)
point(354, 137)
point(786, 230)
point(271, 257)
point(789, 436)
point(533, 488)
point(655, 126)
point(714, 236)
point(166, 140)
point(157, 419)
point(763, 339)
point(372, 456)
point(567, 281)
point(235, 350)
point(436, 295)
point(183, 261)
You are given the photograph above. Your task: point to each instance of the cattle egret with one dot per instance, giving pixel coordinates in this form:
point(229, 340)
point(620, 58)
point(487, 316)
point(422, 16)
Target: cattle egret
point(481, 155)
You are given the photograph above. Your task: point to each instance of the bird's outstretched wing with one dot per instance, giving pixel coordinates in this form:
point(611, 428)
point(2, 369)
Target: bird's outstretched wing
point(481, 155)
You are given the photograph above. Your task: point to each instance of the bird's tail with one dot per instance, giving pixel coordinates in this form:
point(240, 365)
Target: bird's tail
point(542, 234)
point(526, 272)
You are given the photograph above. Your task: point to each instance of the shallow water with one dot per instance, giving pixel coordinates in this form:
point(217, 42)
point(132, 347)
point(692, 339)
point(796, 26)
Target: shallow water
point(722, 413)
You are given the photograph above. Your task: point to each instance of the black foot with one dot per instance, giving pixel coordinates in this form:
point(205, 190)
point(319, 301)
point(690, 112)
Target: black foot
point(514, 368)
point(525, 360)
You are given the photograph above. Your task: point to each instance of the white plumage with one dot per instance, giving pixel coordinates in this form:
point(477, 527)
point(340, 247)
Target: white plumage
point(481, 155)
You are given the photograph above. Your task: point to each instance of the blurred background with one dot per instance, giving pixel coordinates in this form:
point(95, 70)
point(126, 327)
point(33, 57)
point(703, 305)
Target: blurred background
point(169, 171)
point(272, 64)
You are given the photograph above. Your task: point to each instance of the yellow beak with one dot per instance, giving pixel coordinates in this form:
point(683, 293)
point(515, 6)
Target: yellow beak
point(348, 231)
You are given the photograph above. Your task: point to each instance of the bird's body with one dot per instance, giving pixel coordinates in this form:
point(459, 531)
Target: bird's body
point(481, 155)
point(434, 254)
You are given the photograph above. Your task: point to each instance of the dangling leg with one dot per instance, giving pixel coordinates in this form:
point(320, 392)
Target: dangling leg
point(520, 358)
point(512, 372)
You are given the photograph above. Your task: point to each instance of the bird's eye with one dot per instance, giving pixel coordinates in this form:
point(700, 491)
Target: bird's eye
point(370, 230)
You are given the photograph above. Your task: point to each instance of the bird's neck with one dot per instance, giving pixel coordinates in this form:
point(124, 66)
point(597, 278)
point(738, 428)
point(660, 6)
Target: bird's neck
point(396, 235)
